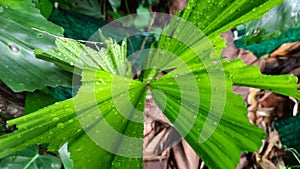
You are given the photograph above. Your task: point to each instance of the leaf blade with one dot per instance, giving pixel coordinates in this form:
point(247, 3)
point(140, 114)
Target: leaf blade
point(225, 135)
point(17, 43)
point(30, 158)
point(74, 57)
point(66, 125)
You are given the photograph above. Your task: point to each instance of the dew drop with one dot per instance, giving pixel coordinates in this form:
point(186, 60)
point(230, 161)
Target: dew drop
point(19, 136)
point(55, 165)
point(101, 80)
point(55, 119)
point(60, 125)
point(117, 164)
point(14, 48)
point(39, 35)
point(195, 116)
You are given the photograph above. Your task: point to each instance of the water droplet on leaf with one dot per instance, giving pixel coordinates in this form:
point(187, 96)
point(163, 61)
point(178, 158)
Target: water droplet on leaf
point(19, 136)
point(60, 125)
point(55, 119)
point(14, 48)
point(39, 35)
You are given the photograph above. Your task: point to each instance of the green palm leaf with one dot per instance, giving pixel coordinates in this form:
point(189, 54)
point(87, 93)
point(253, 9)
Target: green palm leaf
point(217, 137)
point(60, 123)
point(214, 125)
point(196, 96)
point(70, 54)
point(250, 76)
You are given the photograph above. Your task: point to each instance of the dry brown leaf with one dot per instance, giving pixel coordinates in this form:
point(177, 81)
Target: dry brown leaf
point(287, 49)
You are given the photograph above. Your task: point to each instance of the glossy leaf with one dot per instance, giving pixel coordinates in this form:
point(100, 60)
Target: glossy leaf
point(274, 22)
point(19, 68)
point(30, 158)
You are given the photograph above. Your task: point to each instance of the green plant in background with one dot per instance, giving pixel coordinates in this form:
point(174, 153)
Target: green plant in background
point(296, 156)
point(45, 6)
point(93, 8)
point(30, 158)
point(274, 22)
point(17, 43)
point(106, 74)
point(278, 26)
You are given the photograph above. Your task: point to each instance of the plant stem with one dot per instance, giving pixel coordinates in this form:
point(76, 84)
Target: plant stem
point(145, 39)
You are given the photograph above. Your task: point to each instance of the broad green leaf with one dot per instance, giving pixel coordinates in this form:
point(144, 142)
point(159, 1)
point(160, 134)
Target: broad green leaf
point(64, 155)
point(70, 54)
point(274, 22)
point(19, 69)
point(30, 158)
